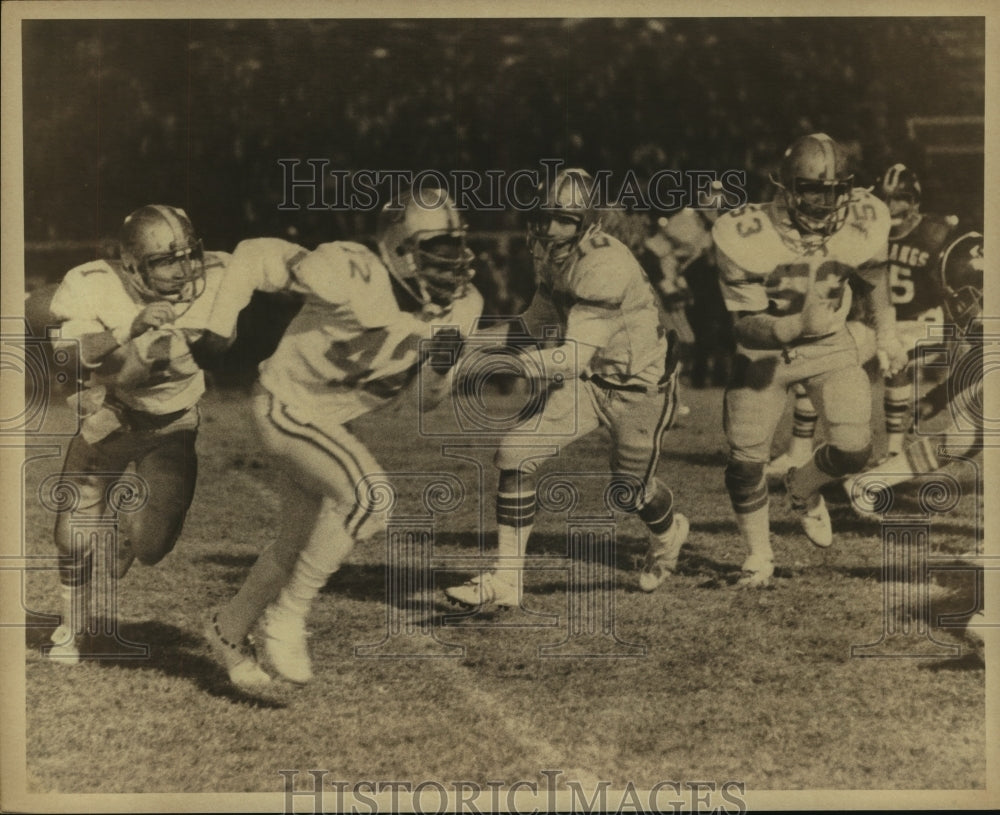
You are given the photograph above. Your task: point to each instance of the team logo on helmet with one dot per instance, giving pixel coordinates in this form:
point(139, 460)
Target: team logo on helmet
point(899, 187)
point(421, 238)
point(563, 218)
point(162, 254)
point(961, 280)
point(817, 185)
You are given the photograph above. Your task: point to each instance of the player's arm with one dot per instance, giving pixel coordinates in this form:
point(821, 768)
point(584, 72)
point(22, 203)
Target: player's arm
point(78, 305)
point(891, 352)
point(445, 348)
point(755, 326)
point(589, 327)
point(258, 264)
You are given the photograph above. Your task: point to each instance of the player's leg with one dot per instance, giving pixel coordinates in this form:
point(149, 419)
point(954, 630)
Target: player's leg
point(866, 490)
point(843, 398)
point(168, 466)
point(898, 408)
point(327, 458)
point(568, 415)
point(804, 420)
point(753, 405)
point(88, 471)
point(321, 468)
point(897, 399)
point(638, 423)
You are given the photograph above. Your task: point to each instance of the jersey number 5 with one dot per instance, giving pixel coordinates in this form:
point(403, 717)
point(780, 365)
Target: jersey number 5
point(901, 284)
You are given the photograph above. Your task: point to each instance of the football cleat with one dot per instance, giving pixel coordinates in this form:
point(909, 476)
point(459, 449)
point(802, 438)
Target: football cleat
point(66, 646)
point(661, 558)
point(756, 572)
point(285, 645)
point(485, 590)
point(239, 660)
point(813, 515)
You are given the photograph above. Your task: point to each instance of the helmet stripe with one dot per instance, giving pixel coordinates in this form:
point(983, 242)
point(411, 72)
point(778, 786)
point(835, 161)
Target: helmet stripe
point(169, 214)
point(829, 156)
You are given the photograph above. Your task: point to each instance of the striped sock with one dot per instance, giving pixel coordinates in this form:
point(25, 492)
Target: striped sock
point(804, 420)
point(896, 405)
point(658, 512)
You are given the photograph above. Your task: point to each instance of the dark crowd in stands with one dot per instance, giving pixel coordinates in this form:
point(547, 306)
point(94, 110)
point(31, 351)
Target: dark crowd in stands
point(198, 113)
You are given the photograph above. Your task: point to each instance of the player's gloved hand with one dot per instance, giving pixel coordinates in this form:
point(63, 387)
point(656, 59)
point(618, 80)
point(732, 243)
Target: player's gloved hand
point(207, 347)
point(891, 354)
point(155, 315)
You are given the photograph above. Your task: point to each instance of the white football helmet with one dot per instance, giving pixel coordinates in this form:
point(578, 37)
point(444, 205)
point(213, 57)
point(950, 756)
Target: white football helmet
point(162, 254)
point(816, 184)
point(564, 218)
point(421, 238)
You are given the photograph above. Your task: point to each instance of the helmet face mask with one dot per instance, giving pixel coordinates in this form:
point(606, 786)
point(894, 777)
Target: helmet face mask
point(564, 218)
point(816, 184)
point(421, 239)
point(961, 280)
point(161, 253)
point(899, 187)
point(820, 207)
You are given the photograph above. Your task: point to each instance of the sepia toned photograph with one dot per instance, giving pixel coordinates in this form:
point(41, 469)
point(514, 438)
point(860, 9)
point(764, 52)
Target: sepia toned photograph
point(459, 408)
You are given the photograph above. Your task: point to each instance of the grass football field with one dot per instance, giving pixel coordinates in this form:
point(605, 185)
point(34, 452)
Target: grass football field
point(591, 678)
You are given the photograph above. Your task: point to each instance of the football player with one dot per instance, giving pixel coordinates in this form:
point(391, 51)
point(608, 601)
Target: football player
point(352, 349)
point(785, 269)
point(916, 242)
point(960, 278)
point(610, 363)
point(135, 320)
point(957, 404)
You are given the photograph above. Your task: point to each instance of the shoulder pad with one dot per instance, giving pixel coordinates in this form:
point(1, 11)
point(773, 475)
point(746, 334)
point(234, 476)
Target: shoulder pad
point(86, 289)
point(337, 270)
point(91, 269)
point(749, 238)
point(868, 217)
point(604, 270)
point(217, 259)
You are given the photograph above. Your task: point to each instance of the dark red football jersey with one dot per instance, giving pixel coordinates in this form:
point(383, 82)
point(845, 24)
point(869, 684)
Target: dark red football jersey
point(913, 260)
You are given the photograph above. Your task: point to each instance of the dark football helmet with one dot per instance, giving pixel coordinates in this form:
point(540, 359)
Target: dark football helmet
point(162, 254)
point(564, 216)
point(816, 183)
point(961, 279)
point(899, 187)
point(421, 238)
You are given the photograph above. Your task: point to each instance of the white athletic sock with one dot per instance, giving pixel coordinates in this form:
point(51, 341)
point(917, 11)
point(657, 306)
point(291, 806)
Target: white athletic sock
point(755, 527)
point(512, 542)
point(328, 545)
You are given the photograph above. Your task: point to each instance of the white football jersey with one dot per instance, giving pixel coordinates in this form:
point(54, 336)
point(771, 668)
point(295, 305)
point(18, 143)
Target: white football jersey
point(350, 348)
point(99, 296)
point(765, 264)
point(603, 300)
